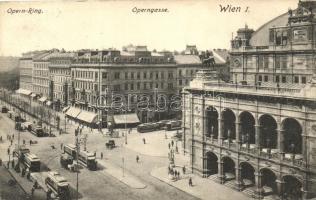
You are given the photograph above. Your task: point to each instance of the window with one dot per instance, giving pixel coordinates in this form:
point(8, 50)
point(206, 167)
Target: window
point(151, 85)
point(103, 88)
point(138, 86)
point(132, 75)
point(284, 62)
point(162, 75)
point(132, 86)
point(260, 78)
point(145, 75)
point(126, 75)
point(266, 78)
point(157, 75)
point(180, 82)
point(170, 86)
point(161, 85)
point(277, 79)
point(157, 85)
point(116, 75)
point(260, 61)
point(283, 79)
point(266, 62)
point(187, 82)
point(180, 72)
point(151, 75)
point(145, 86)
point(104, 75)
point(170, 75)
point(277, 62)
point(126, 86)
point(303, 79)
point(138, 75)
point(117, 87)
point(296, 79)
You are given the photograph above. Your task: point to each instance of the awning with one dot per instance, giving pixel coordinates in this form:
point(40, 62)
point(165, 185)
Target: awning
point(65, 109)
point(23, 91)
point(130, 118)
point(73, 112)
point(48, 103)
point(42, 99)
point(33, 95)
point(86, 116)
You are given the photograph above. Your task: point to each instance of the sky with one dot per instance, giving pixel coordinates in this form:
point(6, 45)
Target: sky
point(74, 25)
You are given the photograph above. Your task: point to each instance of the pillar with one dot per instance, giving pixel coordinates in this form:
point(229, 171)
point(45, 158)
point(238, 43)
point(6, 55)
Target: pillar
point(238, 131)
point(259, 189)
point(238, 183)
point(258, 134)
point(205, 130)
point(205, 169)
point(280, 185)
point(280, 140)
point(220, 132)
point(220, 177)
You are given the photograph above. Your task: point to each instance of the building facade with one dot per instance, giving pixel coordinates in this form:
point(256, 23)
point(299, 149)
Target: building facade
point(257, 135)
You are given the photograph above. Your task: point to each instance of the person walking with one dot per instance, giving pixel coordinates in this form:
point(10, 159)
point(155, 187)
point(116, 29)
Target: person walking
point(144, 141)
point(169, 145)
point(32, 191)
point(8, 151)
point(190, 182)
point(137, 158)
point(24, 142)
point(183, 169)
point(30, 142)
point(61, 146)
point(11, 142)
point(101, 155)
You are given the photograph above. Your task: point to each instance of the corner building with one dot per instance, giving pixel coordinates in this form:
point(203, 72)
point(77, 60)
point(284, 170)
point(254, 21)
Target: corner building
point(258, 136)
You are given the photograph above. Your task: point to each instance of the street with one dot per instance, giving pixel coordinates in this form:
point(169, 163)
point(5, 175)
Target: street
point(97, 184)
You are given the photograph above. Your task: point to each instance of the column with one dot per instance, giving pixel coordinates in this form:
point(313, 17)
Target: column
point(238, 130)
point(258, 133)
point(205, 169)
point(220, 134)
point(280, 185)
point(238, 183)
point(220, 177)
point(205, 131)
point(280, 141)
point(259, 190)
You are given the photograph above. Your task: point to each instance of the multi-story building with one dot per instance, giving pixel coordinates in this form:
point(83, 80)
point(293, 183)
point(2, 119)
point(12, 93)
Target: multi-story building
point(258, 135)
point(40, 74)
point(60, 78)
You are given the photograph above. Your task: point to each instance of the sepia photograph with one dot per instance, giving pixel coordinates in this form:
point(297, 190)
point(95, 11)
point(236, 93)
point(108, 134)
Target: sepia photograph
point(158, 100)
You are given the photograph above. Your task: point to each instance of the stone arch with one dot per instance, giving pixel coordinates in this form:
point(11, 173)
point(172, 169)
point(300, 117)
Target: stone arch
point(247, 127)
point(228, 168)
point(211, 163)
point(292, 134)
point(228, 126)
point(292, 188)
point(247, 174)
point(268, 181)
point(268, 131)
point(211, 121)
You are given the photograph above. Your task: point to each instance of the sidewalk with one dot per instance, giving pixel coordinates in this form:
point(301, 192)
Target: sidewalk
point(117, 172)
point(27, 185)
point(7, 191)
point(202, 188)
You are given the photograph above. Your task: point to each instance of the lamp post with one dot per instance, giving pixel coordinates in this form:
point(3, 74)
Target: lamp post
point(77, 170)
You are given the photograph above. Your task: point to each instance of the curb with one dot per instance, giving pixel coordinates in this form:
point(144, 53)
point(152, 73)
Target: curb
point(15, 179)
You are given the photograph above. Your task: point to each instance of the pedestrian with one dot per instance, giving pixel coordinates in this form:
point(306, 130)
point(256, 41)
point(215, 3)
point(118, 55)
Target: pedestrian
point(11, 142)
point(30, 142)
point(175, 174)
point(95, 153)
point(137, 158)
point(13, 136)
point(172, 143)
point(190, 182)
point(0, 162)
point(144, 141)
point(61, 146)
point(8, 151)
point(183, 169)
point(32, 191)
point(1, 138)
point(12, 164)
point(169, 145)
point(24, 142)
point(177, 150)
point(169, 170)
point(101, 155)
